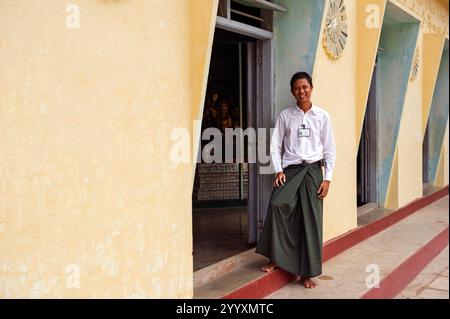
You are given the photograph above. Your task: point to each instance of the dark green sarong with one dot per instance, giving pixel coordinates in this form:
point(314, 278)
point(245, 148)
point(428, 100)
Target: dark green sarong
point(292, 233)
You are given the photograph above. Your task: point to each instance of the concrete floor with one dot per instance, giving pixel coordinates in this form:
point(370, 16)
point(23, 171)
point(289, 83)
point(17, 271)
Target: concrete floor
point(345, 276)
point(219, 233)
point(371, 212)
point(429, 189)
point(432, 282)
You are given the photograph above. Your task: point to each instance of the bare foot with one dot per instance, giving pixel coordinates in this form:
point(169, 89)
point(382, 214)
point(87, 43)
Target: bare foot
point(269, 267)
point(308, 283)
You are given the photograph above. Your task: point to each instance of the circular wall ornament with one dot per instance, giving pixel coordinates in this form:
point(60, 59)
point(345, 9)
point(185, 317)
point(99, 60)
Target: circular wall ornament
point(335, 33)
point(415, 66)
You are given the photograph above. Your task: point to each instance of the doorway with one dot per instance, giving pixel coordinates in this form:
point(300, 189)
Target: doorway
point(367, 154)
point(220, 194)
point(229, 197)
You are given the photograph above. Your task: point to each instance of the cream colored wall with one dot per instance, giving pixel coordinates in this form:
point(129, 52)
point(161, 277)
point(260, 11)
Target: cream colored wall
point(334, 87)
point(203, 26)
point(370, 15)
point(409, 141)
point(432, 46)
point(86, 185)
point(432, 13)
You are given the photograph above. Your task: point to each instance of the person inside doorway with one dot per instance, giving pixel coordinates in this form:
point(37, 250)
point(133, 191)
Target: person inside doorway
point(302, 143)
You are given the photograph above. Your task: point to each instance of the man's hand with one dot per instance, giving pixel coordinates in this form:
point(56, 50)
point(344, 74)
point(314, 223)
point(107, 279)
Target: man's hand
point(323, 189)
point(280, 179)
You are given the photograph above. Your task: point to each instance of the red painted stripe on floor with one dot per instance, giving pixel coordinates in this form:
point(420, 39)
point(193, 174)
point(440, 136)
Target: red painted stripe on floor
point(339, 244)
point(263, 286)
point(279, 278)
point(400, 277)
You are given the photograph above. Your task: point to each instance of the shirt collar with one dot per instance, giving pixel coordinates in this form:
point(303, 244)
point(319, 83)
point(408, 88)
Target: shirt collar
point(313, 109)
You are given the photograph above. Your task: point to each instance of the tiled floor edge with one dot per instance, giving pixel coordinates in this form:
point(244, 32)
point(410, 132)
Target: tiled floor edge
point(400, 277)
point(278, 279)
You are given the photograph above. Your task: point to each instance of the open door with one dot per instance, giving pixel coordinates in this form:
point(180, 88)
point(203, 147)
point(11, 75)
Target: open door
point(230, 199)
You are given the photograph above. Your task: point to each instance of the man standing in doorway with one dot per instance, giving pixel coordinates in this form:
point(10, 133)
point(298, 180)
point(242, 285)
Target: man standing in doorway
point(301, 144)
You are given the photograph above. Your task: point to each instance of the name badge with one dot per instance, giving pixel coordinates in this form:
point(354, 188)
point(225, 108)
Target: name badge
point(304, 132)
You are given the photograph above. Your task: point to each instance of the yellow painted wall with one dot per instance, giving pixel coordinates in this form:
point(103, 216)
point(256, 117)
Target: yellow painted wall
point(409, 141)
point(432, 46)
point(203, 25)
point(432, 13)
point(334, 87)
point(86, 185)
point(370, 15)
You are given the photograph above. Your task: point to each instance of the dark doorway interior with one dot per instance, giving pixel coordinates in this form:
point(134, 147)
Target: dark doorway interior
point(220, 194)
point(367, 152)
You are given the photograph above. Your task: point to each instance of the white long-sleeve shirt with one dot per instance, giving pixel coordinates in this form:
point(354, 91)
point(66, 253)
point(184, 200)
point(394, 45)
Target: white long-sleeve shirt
point(287, 147)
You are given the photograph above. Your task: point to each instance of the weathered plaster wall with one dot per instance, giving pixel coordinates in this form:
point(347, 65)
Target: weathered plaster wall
point(88, 203)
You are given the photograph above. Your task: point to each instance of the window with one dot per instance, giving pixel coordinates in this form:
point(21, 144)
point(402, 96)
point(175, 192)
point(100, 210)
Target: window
point(255, 13)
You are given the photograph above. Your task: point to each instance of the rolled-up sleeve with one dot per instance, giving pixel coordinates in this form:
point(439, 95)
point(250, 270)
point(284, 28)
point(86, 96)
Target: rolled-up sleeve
point(276, 144)
point(329, 149)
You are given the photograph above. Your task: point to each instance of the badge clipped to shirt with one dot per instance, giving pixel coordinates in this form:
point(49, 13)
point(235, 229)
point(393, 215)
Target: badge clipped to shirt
point(304, 131)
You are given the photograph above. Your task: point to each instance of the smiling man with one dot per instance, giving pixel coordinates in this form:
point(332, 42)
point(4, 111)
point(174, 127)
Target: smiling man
point(301, 144)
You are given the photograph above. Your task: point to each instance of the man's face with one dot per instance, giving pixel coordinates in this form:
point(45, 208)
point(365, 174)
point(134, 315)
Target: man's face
point(301, 90)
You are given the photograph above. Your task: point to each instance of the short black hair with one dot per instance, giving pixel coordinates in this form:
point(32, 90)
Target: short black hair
point(301, 75)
